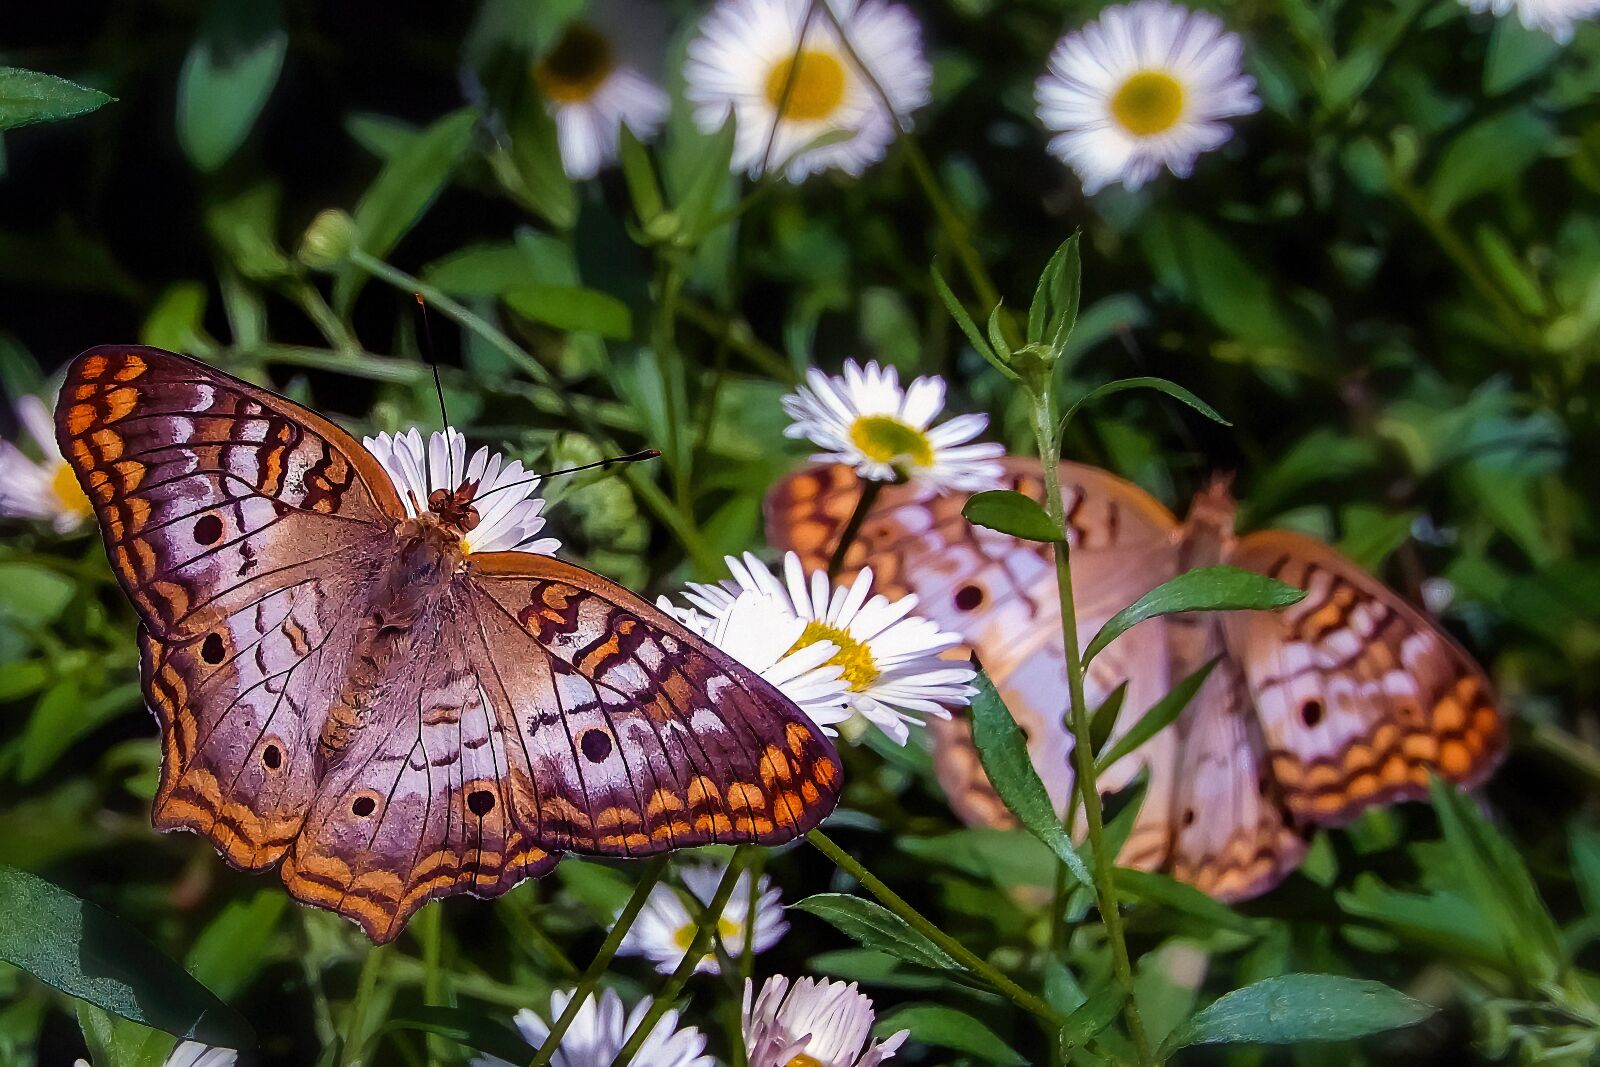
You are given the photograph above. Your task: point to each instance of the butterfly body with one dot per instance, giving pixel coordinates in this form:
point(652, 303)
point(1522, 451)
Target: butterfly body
point(1347, 699)
point(345, 687)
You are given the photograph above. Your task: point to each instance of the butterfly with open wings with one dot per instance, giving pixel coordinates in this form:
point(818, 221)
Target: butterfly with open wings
point(344, 685)
point(1348, 699)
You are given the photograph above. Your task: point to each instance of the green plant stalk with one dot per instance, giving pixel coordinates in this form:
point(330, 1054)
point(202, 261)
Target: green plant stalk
point(681, 525)
point(917, 921)
point(705, 925)
point(355, 1030)
point(653, 870)
point(869, 493)
point(309, 297)
point(1082, 749)
point(429, 929)
point(736, 334)
point(681, 456)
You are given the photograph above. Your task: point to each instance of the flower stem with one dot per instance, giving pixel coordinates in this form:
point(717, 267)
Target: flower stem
point(704, 927)
point(1082, 748)
point(355, 1031)
point(869, 493)
point(920, 923)
point(651, 875)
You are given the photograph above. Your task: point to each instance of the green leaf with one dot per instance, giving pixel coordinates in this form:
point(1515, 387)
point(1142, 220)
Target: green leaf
point(1054, 310)
point(1161, 715)
point(1003, 750)
point(229, 953)
point(470, 1028)
point(408, 183)
point(1205, 589)
point(1487, 156)
point(1160, 385)
point(33, 595)
point(1585, 849)
point(878, 928)
point(62, 716)
point(1499, 883)
point(1165, 892)
point(570, 308)
point(227, 76)
point(1516, 54)
point(26, 97)
point(86, 952)
point(1104, 719)
point(1091, 1017)
point(1009, 512)
point(1300, 1007)
point(935, 1024)
point(640, 175)
point(699, 196)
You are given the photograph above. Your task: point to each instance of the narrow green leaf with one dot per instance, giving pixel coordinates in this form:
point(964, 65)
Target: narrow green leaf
point(1300, 1007)
point(935, 1024)
point(1499, 882)
point(570, 308)
point(878, 928)
point(1003, 750)
point(1160, 385)
point(997, 336)
point(27, 97)
point(408, 183)
point(1206, 589)
point(1161, 715)
point(1585, 849)
point(472, 1029)
point(227, 77)
point(1049, 295)
point(1104, 719)
point(1091, 1017)
point(62, 716)
point(640, 176)
point(1169, 893)
point(1009, 512)
point(86, 952)
point(712, 175)
point(967, 325)
point(231, 950)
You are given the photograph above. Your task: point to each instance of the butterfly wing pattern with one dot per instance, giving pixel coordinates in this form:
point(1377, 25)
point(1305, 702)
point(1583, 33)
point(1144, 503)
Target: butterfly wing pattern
point(385, 763)
point(1348, 699)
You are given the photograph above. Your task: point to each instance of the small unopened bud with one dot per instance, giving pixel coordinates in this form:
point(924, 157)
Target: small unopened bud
point(328, 240)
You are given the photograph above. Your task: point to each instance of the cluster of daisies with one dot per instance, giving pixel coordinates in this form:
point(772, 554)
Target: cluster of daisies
point(814, 85)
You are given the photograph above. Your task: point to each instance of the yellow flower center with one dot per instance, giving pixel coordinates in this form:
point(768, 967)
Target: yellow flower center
point(1148, 103)
point(854, 657)
point(888, 440)
point(727, 929)
point(803, 1060)
point(577, 66)
point(808, 87)
point(69, 494)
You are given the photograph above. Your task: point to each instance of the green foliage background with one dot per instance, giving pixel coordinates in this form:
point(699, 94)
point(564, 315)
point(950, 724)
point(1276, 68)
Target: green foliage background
point(1389, 281)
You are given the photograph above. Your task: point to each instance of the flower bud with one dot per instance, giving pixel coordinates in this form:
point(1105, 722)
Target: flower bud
point(328, 240)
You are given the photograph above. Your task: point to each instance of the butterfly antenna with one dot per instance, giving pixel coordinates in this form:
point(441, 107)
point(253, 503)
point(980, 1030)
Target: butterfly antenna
point(632, 457)
point(429, 354)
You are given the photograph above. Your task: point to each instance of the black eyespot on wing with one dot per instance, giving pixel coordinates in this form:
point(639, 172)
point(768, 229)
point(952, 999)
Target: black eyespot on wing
point(969, 598)
point(363, 806)
point(480, 802)
point(272, 757)
point(208, 530)
point(212, 650)
point(1311, 712)
point(596, 745)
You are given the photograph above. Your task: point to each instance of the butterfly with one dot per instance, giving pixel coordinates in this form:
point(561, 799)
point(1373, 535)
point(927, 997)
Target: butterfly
point(349, 689)
point(1347, 699)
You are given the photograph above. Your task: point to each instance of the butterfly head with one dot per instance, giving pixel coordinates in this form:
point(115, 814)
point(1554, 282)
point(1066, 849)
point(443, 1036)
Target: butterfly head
point(1208, 528)
point(455, 508)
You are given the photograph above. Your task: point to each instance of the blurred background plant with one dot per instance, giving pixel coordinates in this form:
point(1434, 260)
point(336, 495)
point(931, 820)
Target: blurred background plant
point(1387, 280)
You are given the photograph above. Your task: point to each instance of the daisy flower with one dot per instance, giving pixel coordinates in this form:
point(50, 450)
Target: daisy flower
point(1555, 17)
point(783, 70)
point(1146, 85)
point(814, 1023)
point(594, 80)
point(758, 632)
point(47, 489)
point(865, 419)
point(190, 1054)
point(598, 1034)
point(891, 659)
point(508, 519)
point(665, 928)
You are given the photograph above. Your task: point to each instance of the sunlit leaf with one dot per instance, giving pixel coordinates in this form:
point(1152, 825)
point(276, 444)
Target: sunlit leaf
point(874, 926)
point(226, 79)
point(1161, 715)
point(1206, 589)
point(27, 96)
point(1300, 1007)
point(1009, 512)
point(935, 1024)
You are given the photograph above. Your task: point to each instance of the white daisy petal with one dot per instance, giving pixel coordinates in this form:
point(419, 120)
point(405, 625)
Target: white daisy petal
point(42, 490)
point(596, 78)
point(863, 418)
point(1555, 17)
point(1144, 86)
point(811, 1021)
point(665, 928)
point(743, 62)
point(501, 494)
point(599, 1031)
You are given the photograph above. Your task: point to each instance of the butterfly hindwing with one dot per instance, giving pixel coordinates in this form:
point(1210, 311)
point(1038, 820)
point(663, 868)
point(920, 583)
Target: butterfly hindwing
point(1359, 695)
point(628, 735)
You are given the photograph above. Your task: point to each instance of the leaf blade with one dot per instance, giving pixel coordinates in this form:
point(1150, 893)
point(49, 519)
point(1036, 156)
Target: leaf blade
point(1220, 588)
point(1300, 1007)
point(1010, 512)
point(878, 928)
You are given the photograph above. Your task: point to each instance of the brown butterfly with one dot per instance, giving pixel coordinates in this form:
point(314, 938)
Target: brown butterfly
point(1347, 699)
point(345, 686)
